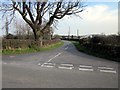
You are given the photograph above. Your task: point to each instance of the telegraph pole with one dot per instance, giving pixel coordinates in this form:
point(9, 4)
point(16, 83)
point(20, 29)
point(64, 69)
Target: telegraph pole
point(6, 26)
point(69, 33)
point(77, 33)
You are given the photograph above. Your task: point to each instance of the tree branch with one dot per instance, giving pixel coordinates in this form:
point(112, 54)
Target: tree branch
point(30, 14)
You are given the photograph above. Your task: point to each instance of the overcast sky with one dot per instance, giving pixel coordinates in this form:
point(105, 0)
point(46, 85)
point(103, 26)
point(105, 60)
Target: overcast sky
point(98, 17)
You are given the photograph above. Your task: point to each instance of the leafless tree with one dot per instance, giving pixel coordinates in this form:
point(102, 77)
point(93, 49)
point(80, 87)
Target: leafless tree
point(35, 13)
point(22, 29)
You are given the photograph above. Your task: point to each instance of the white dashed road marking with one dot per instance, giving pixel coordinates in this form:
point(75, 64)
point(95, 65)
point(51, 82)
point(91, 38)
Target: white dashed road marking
point(105, 68)
point(66, 64)
point(50, 63)
point(62, 67)
point(47, 66)
point(85, 69)
point(81, 67)
point(108, 71)
point(85, 66)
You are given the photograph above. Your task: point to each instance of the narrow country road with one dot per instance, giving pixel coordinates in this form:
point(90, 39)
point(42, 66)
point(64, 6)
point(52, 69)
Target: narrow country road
point(64, 67)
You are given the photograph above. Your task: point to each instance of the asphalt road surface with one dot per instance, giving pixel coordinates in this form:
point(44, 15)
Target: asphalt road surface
point(64, 67)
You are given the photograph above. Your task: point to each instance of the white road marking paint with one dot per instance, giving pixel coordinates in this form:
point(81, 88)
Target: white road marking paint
point(65, 67)
point(50, 63)
point(105, 68)
point(52, 58)
point(47, 66)
point(66, 64)
point(108, 71)
point(66, 48)
point(85, 69)
point(85, 66)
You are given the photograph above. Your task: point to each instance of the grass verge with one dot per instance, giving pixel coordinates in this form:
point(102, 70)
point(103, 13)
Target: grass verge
point(33, 49)
point(89, 52)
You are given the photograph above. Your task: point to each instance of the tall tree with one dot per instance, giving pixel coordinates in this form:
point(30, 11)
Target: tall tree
point(23, 30)
point(35, 13)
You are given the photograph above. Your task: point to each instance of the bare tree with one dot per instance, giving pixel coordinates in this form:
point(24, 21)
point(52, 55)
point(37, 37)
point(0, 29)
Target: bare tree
point(23, 30)
point(35, 13)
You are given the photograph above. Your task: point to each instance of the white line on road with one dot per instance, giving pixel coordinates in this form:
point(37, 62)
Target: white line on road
point(85, 69)
point(66, 64)
point(105, 68)
point(66, 48)
point(47, 66)
point(65, 67)
point(85, 66)
point(54, 57)
point(108, 71)
point(50, 63)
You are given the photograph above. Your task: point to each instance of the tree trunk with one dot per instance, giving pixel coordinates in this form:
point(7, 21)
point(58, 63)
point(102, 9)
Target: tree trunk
point(41, 40)
point(36, 37)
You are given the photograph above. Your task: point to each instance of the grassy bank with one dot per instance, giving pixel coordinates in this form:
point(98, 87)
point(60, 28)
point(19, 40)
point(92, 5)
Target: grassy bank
point(32, 49)
point(88, 51)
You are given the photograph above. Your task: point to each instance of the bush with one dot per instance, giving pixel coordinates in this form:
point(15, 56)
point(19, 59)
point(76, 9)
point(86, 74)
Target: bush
point(105, 46)
point(108, 51)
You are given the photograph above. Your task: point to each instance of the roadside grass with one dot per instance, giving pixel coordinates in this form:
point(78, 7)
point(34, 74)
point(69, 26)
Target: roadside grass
point(89, 52)
point(33, 49)
point(0, 51)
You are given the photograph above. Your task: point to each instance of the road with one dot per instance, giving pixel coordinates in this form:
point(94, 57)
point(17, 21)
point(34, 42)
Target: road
point(64, 67)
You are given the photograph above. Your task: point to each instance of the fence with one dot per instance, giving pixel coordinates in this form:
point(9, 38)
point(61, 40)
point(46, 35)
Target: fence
point(18, 44)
